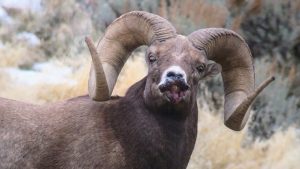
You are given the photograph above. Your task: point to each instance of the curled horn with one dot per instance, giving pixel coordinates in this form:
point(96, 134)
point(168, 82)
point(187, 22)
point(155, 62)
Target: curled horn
point(125, 34)
point(231, 51)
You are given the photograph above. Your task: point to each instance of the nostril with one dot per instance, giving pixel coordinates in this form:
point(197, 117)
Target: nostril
point(171, 74)
point(174, 75)
point(179, 75)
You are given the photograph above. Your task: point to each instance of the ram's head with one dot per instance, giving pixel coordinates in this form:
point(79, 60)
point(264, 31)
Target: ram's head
point(176, 64)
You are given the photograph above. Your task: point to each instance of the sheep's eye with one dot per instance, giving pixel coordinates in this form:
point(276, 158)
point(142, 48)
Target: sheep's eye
point(152, 58)
point(201, 68)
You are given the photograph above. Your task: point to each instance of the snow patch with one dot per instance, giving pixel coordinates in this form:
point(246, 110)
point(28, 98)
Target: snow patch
point(4, 17)
point(42, 73)
point(32, 5)
point(1, 45)
point(29, 38)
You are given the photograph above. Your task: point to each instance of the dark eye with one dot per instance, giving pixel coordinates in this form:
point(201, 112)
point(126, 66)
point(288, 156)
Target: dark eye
point(201, 68)
point(152, 58)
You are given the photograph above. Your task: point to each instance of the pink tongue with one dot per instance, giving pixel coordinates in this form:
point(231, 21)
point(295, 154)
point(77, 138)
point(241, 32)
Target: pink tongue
point(175, 97)
point(175, 93)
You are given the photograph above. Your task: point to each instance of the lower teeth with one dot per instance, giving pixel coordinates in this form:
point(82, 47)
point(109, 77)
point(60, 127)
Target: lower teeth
point(174, 88)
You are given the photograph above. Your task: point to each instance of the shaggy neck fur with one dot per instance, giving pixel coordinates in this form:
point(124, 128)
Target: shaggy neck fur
point(151, 139)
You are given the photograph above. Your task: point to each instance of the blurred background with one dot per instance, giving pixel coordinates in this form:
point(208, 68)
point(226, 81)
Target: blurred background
point(43, 58)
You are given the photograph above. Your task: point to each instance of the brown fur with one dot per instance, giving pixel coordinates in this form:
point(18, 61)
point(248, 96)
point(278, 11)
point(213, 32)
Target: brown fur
point(80, 133)
point(139, 131)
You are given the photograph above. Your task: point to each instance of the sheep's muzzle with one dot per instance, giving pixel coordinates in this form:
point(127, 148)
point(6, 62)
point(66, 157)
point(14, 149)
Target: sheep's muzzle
point(174, 90)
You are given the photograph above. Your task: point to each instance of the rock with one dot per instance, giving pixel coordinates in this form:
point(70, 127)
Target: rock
point(5, 19)
point(31, 5)
point(30, 38)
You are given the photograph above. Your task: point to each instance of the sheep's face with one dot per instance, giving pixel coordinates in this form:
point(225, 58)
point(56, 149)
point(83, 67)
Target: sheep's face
point(175, 69)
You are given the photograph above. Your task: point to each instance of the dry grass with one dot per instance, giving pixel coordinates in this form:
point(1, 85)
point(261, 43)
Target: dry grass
point(16, 55)
point(9, 89)
point(218, 147)
point(61, 92)
point(42, 92)
point(130, 74)
point(52, 93)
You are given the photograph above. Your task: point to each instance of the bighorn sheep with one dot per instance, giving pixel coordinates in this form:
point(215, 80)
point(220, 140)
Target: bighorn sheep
point(155, 124)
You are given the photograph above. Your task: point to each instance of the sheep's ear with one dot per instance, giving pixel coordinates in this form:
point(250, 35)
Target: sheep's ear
point(213, 69)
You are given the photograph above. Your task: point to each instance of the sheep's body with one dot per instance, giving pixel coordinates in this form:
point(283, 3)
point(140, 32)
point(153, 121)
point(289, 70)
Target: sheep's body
point(81, 133)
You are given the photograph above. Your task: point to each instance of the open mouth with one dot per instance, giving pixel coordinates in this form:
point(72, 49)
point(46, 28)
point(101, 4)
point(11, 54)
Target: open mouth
point(174, 90)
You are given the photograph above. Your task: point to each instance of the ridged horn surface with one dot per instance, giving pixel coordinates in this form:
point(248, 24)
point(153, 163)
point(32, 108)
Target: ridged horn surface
point(231, 51)
point(97, 75)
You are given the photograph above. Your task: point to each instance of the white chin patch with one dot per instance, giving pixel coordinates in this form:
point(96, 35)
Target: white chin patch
point(176, 70)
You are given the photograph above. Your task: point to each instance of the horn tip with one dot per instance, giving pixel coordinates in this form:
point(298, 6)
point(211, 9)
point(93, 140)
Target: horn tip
point(272, 78)
point(87, 39)
point(232, 126)
point(269, 80)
